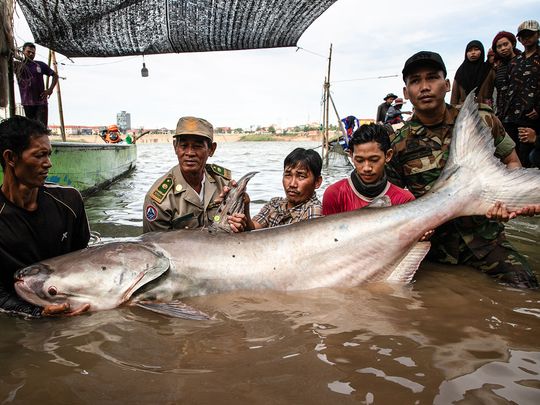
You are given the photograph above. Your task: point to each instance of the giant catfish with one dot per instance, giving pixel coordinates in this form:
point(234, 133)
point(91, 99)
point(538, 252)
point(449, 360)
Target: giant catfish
point(156, 270)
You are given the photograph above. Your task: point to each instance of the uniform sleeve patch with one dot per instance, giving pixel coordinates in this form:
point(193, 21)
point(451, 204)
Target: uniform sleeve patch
point(161, 191)
point(151, 213)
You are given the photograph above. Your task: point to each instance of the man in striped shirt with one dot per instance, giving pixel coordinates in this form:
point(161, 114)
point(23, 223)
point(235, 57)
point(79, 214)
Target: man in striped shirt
point(301, 177)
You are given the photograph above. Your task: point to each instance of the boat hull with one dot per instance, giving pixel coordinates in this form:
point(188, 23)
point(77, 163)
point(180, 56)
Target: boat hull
point(89, 167)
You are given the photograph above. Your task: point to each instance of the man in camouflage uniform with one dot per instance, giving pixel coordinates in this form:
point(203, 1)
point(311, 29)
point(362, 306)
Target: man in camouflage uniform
point(188, 195)
point(421, 150)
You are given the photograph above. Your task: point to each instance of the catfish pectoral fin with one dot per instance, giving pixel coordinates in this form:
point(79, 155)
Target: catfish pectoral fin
point(176, 309)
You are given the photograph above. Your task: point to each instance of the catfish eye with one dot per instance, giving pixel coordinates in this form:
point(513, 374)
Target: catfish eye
point(52, 291)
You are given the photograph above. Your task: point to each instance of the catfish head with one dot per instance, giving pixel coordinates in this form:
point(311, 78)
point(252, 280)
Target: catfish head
point(103, 276)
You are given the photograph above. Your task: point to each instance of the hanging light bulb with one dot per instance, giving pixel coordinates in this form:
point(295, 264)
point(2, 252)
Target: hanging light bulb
point(144, 70)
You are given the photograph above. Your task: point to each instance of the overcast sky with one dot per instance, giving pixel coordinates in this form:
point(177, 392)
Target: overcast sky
point(282, 86)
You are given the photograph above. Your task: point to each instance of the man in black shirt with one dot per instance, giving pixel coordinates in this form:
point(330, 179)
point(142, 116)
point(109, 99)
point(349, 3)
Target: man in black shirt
point(37, 220)
point(383, 108)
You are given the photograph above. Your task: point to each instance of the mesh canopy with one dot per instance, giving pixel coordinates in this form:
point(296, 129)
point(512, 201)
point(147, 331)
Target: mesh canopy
point(134, 27)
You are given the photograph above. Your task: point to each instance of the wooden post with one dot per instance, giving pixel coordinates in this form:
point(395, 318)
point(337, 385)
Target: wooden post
point(11, 88)
point(326, 146)
point(323, 128)
point(59, 94)
point(340, 124)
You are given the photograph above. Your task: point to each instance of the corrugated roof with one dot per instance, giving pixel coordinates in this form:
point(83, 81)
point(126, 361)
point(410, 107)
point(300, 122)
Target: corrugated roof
point(133, 27)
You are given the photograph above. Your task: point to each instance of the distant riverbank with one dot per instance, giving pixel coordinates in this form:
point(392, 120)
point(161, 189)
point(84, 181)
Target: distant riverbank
point(219, 137)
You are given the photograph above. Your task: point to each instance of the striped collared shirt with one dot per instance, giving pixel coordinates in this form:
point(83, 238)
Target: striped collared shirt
point(276, 213)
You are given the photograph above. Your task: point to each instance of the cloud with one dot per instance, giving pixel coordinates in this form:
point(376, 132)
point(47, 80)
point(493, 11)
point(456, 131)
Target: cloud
point(283, 86)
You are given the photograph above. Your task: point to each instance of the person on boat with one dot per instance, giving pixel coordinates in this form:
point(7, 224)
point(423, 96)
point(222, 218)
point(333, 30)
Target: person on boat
point(351, 124)
point(367, 185)
point(394, 115)
point(383, 108)
point(38, 220)
point(111, 134)
point(301, 177)
point(188, 195)
point(474, 73)
point(29, 73)
point(421, 150)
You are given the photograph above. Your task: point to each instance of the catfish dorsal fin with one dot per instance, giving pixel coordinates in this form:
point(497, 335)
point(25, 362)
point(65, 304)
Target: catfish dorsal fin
point(405, 270)
point(232, 204)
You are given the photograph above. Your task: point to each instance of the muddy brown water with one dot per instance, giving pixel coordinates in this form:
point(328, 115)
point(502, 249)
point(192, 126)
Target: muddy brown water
point(452, 336)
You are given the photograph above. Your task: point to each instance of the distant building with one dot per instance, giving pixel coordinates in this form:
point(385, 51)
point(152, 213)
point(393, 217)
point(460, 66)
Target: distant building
point(223, 130)
point(123, 120)
point(76, 129)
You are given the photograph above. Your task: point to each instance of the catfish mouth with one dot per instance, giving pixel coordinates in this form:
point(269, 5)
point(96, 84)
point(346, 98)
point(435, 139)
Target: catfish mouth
point(28, 294)
point(31, 283)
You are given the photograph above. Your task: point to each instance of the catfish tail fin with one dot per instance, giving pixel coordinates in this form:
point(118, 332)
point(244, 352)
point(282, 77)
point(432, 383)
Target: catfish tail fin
point(472, 148)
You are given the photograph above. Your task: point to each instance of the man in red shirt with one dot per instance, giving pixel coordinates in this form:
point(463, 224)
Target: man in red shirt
point(367, 185)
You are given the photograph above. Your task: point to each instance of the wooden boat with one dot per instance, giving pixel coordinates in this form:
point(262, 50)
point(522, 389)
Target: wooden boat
point(89, 167)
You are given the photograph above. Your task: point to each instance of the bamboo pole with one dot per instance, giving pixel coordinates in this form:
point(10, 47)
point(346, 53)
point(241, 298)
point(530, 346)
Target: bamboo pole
point(59, 94)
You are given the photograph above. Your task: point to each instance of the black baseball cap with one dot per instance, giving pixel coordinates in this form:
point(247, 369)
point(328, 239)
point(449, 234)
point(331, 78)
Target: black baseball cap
point(423, 58)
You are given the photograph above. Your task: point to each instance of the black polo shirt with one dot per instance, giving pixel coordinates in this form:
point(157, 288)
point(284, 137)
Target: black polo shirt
point(59, 225)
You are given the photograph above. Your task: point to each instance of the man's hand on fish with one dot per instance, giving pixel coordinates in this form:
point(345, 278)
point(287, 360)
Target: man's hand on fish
point(500, 213)
point(63, 310)
point(529, 211)
point(241, 222)
point(224, 192)
point(427, 235)
point(237, 222)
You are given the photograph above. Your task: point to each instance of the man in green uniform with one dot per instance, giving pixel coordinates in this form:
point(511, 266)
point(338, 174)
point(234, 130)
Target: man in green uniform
point(421, 150)
point(188, 195)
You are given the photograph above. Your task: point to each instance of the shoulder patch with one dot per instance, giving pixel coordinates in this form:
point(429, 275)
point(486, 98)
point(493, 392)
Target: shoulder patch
point(220, 171)
point(160, 192)
point(151, 213)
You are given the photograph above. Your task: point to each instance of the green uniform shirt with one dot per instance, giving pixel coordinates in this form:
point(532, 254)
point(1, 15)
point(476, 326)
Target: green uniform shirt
point(420, 154)
point(171, 203)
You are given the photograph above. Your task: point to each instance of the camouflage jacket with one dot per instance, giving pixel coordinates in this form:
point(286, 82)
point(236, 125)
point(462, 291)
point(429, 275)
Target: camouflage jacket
point(420, 153)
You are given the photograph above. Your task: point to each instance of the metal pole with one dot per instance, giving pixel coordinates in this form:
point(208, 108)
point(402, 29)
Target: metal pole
point(59, 94)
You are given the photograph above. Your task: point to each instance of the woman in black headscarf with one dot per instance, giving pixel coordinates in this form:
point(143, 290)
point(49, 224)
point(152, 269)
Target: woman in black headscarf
point(474, 73)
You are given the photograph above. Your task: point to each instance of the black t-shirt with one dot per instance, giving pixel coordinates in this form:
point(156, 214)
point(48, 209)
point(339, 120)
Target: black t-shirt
point(59, 225)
